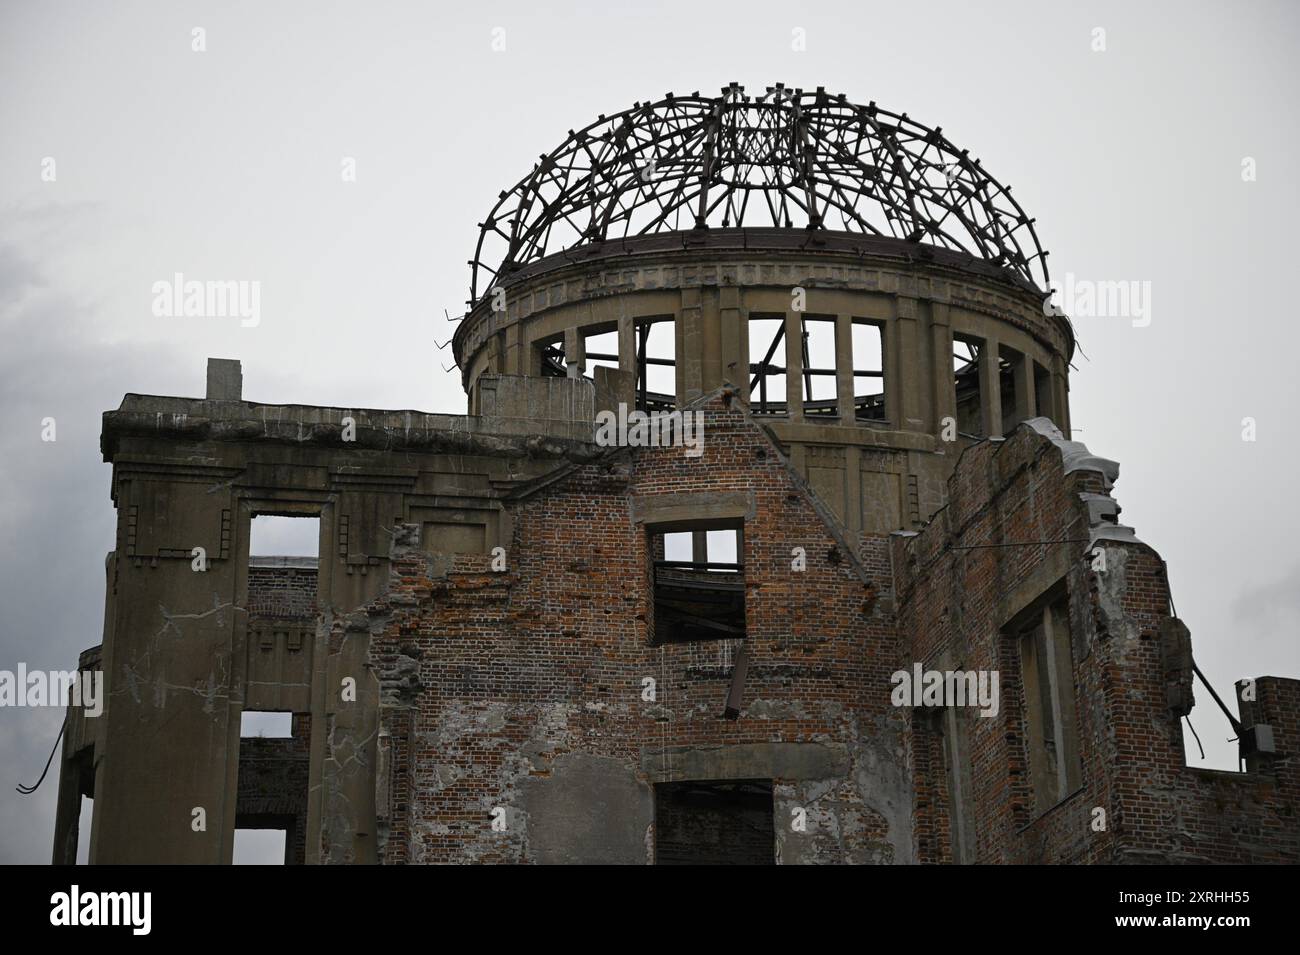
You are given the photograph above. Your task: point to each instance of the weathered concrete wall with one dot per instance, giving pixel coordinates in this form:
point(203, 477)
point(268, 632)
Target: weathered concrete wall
point(192, 638)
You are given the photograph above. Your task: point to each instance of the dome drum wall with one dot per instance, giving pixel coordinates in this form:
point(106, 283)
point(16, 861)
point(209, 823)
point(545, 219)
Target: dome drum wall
point(964, 353)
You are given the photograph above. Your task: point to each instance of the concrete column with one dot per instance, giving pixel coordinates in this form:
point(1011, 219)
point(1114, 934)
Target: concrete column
point(794, 365)
point(990, 389)
point(67, 814)
point(1060, 395)
point(1024, 372)
point(734, 355)
point(516, 362)
point(844, 380)
point(944, 392)
point(575, 352)
point(710, 341)
point(912, 383)
point(627, 359)
point(690, 347)
point(892, 368)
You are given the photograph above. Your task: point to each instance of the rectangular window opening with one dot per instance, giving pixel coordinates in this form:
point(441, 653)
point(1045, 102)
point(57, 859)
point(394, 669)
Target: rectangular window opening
point(283, 577)
point(656, 364)
point(820, 385)
point(550, 356)
point(966, 355)
point(699, 582)
point(274, 770)
point(767, 364)
point(257, 845)
point(265, 724)
point(1047, 683)
point(868, 371)
point(715, 822)
point(600, 351)
point(284, 535)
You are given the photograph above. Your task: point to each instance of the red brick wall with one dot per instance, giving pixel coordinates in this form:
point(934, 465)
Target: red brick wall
point(492, 682)
point(518, 669)
point(954, 601)
point(282, 592)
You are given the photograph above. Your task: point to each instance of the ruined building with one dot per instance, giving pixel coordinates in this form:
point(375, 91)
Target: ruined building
point(519, 643)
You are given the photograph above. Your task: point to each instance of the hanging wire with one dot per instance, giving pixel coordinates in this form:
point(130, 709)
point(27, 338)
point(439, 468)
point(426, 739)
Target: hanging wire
point(28, 790)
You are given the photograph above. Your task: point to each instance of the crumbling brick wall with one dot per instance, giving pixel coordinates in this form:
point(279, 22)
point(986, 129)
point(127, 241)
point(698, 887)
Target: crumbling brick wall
point(1019, 522)
point(520, 694)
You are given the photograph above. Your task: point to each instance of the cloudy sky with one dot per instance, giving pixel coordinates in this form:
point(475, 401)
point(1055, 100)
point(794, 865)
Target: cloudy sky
point(226, 163)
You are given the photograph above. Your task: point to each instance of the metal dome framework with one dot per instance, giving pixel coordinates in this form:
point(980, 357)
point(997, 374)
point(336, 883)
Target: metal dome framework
point(786, 159)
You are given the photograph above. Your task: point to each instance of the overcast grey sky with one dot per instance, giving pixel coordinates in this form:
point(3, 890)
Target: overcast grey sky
point(225, 164)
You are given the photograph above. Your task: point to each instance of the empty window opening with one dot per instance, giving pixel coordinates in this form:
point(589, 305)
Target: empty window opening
point(699, 582)
point(600, 351)
point(284, 536)
point(727, 822)
point(721, 547)
point(656, 364)
point(282, 576)
point(274, 771)
point(966, 354)
point(551, 359)
point(767, 364)
point(1047, 681)
point(266, 725)
point(868, 371)
point(258, 846)
point(820, 389)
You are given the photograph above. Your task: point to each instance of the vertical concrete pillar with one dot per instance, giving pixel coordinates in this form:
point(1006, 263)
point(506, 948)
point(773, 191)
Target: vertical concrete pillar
point(627, 359)
point(912, 384)
point(794, 365)
point(734, 355)
point(516, 362)
point(67, 809)
point(575, 352)
point(991, 388)
point(892, 367)
point(1060, 395)
point(710, 341)
point(1024, 372)
point(944, 392)
point(690, 340)
point(844, 380)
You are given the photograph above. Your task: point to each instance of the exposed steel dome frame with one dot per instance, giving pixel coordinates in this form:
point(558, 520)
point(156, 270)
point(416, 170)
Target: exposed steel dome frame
point(786, 159)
